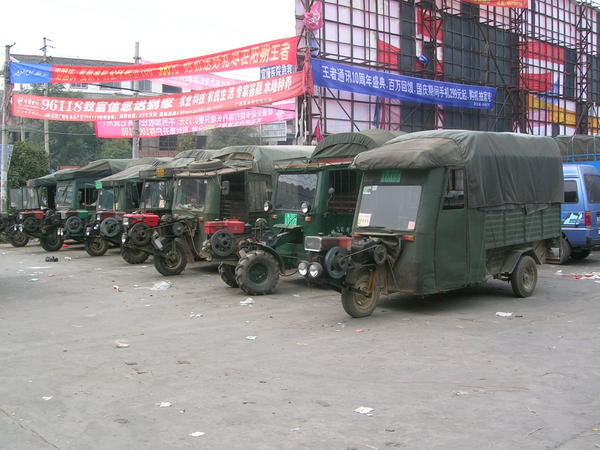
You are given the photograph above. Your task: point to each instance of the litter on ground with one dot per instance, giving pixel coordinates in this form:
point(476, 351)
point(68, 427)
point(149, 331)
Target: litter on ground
point(248, 302)
point(364, 410)
point(161, 286)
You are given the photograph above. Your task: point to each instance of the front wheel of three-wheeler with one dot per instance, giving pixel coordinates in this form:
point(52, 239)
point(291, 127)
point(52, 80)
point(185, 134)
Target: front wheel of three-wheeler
point(172, 260)
point(133, 256)
point(227, 273)
point(52, 242)
point(257, 273)
point(580, 254)
point(357, 304)
point(18, 238)
point(96, 246)
point(524, 278)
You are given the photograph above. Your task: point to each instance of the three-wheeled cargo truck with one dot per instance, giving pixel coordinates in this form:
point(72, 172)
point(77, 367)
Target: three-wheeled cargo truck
point(155, 201)
point(311, 195)
point(119, 194)
point(215, 201)
point(76, 196)
point(441, 210)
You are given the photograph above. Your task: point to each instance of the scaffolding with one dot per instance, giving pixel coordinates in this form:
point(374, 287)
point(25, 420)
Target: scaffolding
point(543, 62)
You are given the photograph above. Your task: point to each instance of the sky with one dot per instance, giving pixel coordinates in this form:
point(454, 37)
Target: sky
point(166, 30)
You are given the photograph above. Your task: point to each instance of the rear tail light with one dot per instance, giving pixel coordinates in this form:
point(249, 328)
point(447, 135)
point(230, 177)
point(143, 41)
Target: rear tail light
point(588, 219)
point(308, 219)
point(408, 238)
point(200, 219)
point(273, 216)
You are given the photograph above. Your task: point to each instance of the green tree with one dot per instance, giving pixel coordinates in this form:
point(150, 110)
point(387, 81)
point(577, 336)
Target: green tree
point(224, 137)
point(115, 149)
point(186, 142)
point(28, 161)
point(71, 143)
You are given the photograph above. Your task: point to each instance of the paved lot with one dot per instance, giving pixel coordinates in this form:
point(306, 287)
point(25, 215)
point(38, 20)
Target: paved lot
point(440, 372)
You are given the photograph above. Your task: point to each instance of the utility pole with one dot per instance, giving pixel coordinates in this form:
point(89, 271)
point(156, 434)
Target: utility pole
point(5, 114)
point(46, 93)
point(135, 142)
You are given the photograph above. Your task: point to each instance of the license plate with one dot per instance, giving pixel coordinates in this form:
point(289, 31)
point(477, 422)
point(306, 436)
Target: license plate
point(157, 243)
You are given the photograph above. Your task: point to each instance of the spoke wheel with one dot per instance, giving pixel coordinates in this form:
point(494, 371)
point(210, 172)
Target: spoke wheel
point(524, 278)
point(51, 242)
point(357, 304)
point(18, 238)
point(96, 246)
point(172, 260)
point(227, 273)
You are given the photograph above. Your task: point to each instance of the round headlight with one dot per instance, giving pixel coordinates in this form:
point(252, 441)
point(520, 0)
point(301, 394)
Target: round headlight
point(315, 270)
point(267, 206)
point(303, 268)
point(98, 217)
point(305, 207)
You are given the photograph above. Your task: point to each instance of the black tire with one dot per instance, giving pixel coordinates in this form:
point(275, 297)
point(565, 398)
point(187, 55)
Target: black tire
point(18, 238)
point(257, 273)
point(51, 242)
point(172, 260)
point(523, 278)
point(227, 273)
point(356, 304)
point(580, 254)
point(110, 227)
point(96, 246)
point(74, 225)
point(565, 251)
point(140, 234)
point(133, 255)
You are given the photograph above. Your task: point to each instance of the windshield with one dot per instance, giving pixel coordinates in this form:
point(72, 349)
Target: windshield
point(16, 198)
point(190, 193)
point(391, 206)
point(64, 195)
point(155, 195)
point(293, 189)
point(106, 199)
point(30, 198)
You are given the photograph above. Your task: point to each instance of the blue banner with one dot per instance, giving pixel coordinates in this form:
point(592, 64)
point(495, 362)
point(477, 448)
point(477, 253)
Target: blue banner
point(411, 89)
point(30, 73)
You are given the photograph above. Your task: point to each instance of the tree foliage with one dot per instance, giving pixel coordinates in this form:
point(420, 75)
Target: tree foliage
point(28, 161)
point(115, 149)
point(186, 142)
point(225, 137)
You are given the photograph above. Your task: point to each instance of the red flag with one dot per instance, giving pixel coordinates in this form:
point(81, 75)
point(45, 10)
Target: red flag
point(317, 133)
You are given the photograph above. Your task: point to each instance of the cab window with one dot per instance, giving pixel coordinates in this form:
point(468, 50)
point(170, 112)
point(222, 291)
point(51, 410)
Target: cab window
point(454, 196)
point(592, 187)
point(570, 187)
point(344, 186)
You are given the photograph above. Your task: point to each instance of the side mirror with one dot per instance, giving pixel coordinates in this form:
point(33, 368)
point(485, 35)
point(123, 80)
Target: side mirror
point(225, 187)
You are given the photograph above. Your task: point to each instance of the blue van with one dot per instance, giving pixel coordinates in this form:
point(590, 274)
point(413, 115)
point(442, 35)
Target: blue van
point(580, 212)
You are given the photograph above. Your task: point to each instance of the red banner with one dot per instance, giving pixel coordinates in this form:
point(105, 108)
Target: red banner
point(282, 51)
point(199, 122)
point(501, 3)
point(225, 98)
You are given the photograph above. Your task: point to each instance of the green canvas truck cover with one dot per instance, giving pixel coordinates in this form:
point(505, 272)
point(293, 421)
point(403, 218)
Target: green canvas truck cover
point(46, 180)
point(578, 144)
point(345, 145)
point(501, 168)
point(263, 156)
point(95, 170)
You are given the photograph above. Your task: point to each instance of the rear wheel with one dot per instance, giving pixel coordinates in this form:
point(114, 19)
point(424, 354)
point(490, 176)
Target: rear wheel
point(227, 273)
point(96, 246)
point(580, 254)
point(51, 242)
point(565, 251)
point(524, 278)
point(257, 273)
point(172, 260)
point(18, 238)
point(357, 304)
point(133, 256)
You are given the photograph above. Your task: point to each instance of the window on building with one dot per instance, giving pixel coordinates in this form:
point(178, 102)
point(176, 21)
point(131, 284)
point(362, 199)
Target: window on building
point(170, 89)
point(111, 85)
point(167, 142)
point(78, 86)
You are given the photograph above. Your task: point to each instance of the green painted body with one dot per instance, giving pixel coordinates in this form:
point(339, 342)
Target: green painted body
point(454, 248)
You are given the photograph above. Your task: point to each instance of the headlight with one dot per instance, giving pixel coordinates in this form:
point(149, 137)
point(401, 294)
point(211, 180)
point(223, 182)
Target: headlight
point(303, 268)
point(20, 216)
point(98, 217)
point(126, 221)
point(313, 243)
point(305, 207)
point(315, 270)
point(268, 206)
point(123, 238)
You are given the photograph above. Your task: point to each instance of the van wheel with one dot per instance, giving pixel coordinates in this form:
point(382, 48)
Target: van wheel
point(18, 238)
point(172, 260)
point(565, 251)
point(51, 242)
point(257, 273)
point(359, 305)
point(580, 254)
point(524, 278)
point(227, 273)
point(133, 255)
point(96, 246)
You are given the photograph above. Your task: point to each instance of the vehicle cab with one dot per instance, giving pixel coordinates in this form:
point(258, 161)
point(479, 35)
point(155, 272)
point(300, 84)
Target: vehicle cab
point(580, 212)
